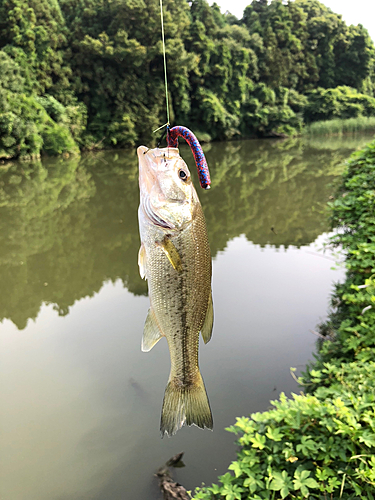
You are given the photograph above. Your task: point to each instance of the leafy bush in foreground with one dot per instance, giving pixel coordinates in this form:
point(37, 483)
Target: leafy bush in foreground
point(321, 445)
point(316, 446)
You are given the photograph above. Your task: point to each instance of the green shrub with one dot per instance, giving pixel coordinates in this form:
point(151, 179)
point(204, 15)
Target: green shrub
point(122, 132)
point(26, 129)
point(340, 102)
point(21, 119)
point(352, 322)
point(321, 444)
point(216, 115)
point(57, 140)
point(202, 136)
point(18, 138)
point(309, 446)
point(53, 107)
point(268, 112)
point(73, 117)
point(30, 125)
point(76, 115)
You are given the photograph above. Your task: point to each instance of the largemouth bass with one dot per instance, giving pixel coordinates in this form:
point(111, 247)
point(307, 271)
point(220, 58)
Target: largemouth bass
point(175, 259)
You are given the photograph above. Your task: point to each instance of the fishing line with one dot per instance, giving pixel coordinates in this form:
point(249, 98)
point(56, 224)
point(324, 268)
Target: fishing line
point(161, 138)
point(165, 125)
point(172, 134)
point(165, 62)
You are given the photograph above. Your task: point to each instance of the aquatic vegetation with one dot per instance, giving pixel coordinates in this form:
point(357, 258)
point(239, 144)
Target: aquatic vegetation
point(340, 126)
point(321, 444)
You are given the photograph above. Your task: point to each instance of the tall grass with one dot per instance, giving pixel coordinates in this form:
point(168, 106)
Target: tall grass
point(340, 126)
point(348, 140)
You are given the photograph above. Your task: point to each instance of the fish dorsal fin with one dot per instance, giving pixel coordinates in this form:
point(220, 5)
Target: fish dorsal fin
point(208, 322)
point(142, 262)
point(172, 253)
point(151, 332)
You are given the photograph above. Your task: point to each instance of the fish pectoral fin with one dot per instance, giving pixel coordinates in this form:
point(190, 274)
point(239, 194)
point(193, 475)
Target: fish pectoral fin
point(172, 253)
point(208, 322)
point(142, 262)
point(151, 332)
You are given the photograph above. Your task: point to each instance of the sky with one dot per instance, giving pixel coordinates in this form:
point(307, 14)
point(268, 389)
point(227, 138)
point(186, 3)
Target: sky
point(353, 12)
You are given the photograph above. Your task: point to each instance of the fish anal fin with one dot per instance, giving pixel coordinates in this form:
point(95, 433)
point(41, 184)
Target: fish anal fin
point(208, 322)
point(172, 253)
point(151, 332)
point(142, 262)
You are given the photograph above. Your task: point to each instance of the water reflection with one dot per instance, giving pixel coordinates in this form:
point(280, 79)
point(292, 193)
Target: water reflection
point(68, 226)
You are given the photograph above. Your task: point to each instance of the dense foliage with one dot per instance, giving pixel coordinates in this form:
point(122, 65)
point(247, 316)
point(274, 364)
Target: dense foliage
point(89, 73)
point(321, 444)
point(341, 102)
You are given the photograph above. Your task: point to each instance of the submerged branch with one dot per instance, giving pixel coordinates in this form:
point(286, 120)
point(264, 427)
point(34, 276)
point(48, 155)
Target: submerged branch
point(171, 490)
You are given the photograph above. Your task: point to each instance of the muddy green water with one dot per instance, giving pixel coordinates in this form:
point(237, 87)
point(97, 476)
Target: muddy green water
point(79, 402)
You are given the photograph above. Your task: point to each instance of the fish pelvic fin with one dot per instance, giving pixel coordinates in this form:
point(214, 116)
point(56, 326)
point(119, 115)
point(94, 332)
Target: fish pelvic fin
point(185, 405)
point(151, 332)
point(208, 322)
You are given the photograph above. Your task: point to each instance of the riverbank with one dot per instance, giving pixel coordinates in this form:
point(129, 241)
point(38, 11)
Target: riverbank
point(321, 444)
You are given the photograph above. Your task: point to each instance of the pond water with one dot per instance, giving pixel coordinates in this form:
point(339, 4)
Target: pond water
point(79, 402)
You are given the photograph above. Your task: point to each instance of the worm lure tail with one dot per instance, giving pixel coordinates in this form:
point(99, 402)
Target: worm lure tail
point(200, 160)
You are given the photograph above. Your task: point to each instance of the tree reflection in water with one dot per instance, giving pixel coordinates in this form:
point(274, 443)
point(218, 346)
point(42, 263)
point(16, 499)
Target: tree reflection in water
point(69, 225)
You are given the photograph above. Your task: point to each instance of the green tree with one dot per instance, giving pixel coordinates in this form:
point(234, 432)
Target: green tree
point(340, 102)
point(116, 57)
point(303, 44)
point(91, 72)
point(33, 33)
point(342, 54)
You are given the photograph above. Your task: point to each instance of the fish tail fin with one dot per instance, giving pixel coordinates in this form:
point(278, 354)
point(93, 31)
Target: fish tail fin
point(185, 405)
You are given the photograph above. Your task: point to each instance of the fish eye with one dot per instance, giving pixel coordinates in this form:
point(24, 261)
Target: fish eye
point(182, 175)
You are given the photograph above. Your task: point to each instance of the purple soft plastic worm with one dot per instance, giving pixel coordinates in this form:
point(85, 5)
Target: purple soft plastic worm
point(200, 160)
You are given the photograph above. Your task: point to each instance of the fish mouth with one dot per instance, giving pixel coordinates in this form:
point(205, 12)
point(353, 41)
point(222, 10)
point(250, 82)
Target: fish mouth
point(149, 161)
point(147, 174)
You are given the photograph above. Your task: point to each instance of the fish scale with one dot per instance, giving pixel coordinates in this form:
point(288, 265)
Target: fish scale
point(172, 307)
